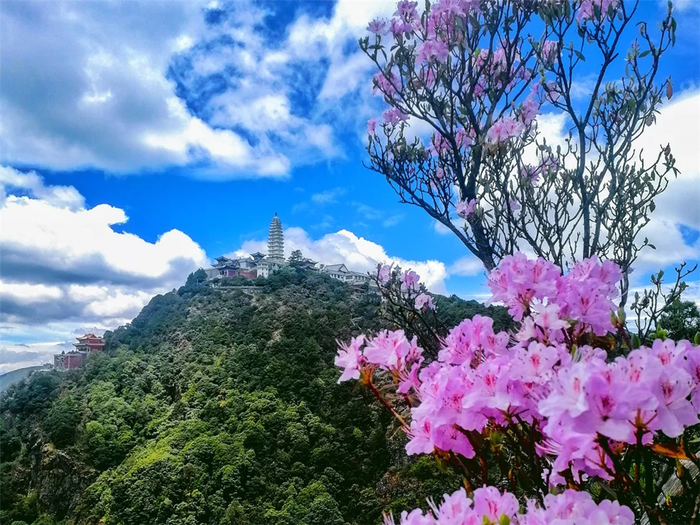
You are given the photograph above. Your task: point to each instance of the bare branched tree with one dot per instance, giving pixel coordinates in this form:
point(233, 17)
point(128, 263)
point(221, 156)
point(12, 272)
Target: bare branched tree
point(486, 159)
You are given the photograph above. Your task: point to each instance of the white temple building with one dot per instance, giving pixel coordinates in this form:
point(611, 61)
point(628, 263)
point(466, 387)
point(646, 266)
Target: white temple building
point(342, 273)
point(261, 265)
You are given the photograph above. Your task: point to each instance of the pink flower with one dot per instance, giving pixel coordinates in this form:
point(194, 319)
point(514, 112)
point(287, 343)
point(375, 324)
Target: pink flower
point(391, 350)
point(406, 10)
point(547, 317)
point(438, 144)
point(350, 358)
point(455, 508)
point(378, 26)
point(513, 205)
point(385, 83)
point(504, 129)
point(401, 28)
point(432, 49)
point(464, 138)
point(394, 116)
point(409, 380)
point(530, 174)
point(424, 301)
point(534, 364)
point(674, 411)
point(550, 51)
point(409, 280)
point(553, 93)
point(587, 10)
point(466, 208)
point(529, 110)
point(490, 503)
point(384, 273)
point(491, 506)
point(421, 438)
point(371, 126)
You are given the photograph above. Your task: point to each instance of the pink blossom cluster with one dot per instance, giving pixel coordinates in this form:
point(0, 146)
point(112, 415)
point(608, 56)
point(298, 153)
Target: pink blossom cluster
point(587, 9)
point(430, 36)
point(532, 173)
point(549, 51)
point(464, 138)
point(438, 144)
point(584, 295)
point(424, 301)
point(432, 50)
point(410, 280)
point(627, 400)
point(388, 350)
point(406, 19)
point(545, 374)
point(503, 129)
point(491, 506)
point(394, 116)
point(384, 83)
point(466, 208)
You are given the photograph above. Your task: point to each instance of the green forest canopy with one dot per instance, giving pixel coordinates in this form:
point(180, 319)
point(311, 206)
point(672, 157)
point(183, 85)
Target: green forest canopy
point(216, 407)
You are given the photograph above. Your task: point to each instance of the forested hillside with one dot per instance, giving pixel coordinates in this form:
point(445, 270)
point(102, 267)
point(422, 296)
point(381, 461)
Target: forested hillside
point(215, 407)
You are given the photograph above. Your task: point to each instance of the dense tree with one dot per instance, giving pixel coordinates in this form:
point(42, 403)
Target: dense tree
point(681, 320)
point(213, 406)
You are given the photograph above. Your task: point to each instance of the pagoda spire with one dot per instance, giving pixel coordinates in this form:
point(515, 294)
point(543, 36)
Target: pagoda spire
point(275, 243)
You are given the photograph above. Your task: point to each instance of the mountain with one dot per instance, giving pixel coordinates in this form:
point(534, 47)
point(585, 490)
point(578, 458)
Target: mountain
point(9, 378)
point(214, 407)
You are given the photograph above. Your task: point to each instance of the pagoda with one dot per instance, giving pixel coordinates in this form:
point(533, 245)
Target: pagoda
point(275, 241)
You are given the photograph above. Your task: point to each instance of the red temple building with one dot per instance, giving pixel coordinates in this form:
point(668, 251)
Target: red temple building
point(86, 345)
point(89, 343)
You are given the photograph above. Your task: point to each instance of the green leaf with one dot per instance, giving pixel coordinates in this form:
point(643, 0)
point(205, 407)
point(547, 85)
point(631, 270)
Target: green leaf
point(579, 55)
point(696, 339)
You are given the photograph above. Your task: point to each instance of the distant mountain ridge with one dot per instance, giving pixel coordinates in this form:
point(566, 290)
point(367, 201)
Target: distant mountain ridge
point(14, 376)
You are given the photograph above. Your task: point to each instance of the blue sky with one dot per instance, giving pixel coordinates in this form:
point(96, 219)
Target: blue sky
point(141, 139)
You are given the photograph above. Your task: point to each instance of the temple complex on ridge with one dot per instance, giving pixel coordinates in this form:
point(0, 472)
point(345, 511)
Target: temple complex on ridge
point(260, 265)
point(86, 345)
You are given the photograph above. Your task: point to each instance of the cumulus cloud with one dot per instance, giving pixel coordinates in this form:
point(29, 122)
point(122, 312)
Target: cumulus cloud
point(467, 266)
point(62, 261)
point(86, 84)
point(239, 89)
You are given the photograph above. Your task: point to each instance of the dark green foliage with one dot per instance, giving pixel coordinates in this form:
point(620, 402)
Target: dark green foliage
point(215, 407)
point(681, 320)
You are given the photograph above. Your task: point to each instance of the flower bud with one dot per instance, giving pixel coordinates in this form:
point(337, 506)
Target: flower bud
point(621, 315)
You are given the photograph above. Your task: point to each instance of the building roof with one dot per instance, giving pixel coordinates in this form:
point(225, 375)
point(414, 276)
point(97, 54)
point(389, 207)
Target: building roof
point(89, 336)
point(336, 268)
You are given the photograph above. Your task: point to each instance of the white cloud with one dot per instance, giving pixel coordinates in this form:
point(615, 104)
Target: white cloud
point(358, 253)
point(328, 196)
point(64, 263)
point(87, 85)
point(678, 124)
point(14, 356)
point(467, 266)
point(59, 196)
